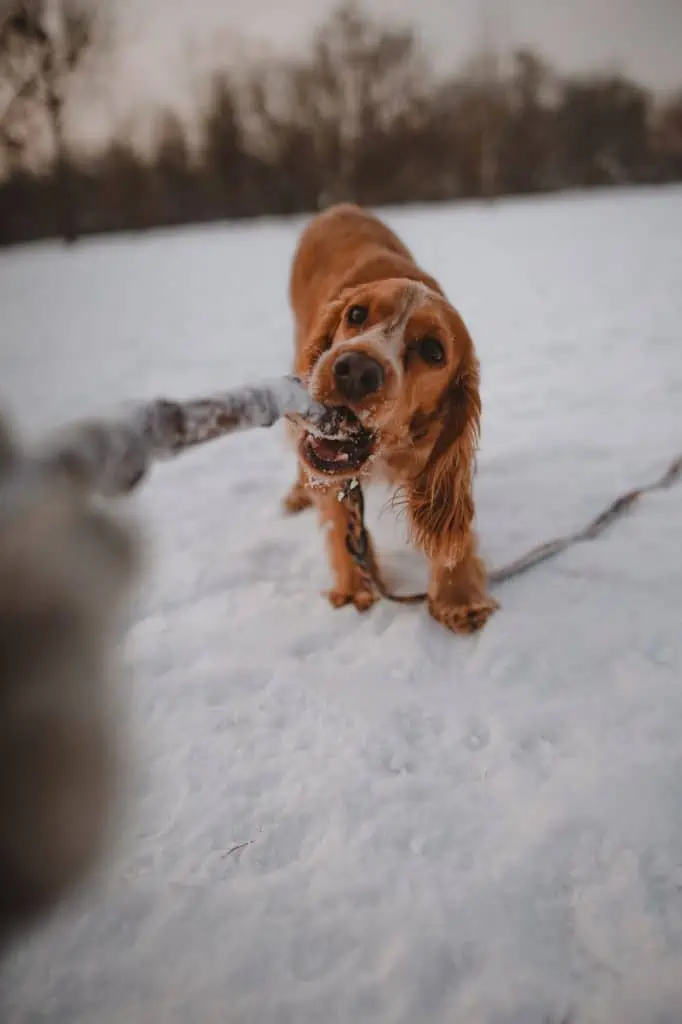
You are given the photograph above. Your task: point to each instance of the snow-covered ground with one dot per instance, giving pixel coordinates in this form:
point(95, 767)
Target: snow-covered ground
point(367, 819)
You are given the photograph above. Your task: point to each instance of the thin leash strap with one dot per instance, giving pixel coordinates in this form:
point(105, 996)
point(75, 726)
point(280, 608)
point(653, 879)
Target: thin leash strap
point(618, 509)
point(357, 538)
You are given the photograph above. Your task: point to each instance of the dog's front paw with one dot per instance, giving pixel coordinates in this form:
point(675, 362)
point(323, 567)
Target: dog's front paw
point(362, 598)
point(463, 618)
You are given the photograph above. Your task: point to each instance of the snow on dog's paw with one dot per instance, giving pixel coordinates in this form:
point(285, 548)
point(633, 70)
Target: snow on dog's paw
point(465, 619)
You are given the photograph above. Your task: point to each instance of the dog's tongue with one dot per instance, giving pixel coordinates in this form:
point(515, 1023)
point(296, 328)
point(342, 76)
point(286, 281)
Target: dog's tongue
point(330, 451)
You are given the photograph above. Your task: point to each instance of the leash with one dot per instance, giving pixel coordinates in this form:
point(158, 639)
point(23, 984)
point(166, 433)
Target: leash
point(357, 543)
point(357, 537)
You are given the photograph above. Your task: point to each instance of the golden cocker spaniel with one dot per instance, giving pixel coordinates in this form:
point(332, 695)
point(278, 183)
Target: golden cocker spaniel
point(376, 334)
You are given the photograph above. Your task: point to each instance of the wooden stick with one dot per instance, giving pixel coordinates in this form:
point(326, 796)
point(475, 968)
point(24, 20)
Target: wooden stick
point(111, 456)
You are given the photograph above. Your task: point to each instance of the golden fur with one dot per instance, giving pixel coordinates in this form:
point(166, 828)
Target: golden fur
point(424, 415)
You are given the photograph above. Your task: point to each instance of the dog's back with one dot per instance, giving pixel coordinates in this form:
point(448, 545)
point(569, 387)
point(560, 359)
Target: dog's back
point(344, 245)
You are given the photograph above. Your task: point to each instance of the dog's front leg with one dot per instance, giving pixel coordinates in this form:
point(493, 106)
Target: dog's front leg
point(458, 592)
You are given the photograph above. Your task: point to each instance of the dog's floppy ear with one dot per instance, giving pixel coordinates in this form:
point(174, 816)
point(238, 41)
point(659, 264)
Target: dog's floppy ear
point(440, 500)
point(321, 333)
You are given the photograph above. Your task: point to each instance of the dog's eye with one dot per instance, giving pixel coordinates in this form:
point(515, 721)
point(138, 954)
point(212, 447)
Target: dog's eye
point(431, 351)
point(357, 315)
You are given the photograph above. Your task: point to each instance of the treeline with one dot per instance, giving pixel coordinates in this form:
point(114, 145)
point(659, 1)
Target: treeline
point(359, 118)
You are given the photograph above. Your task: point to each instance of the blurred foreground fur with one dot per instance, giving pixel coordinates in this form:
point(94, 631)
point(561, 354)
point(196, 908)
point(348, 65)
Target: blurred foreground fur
point(66, 569)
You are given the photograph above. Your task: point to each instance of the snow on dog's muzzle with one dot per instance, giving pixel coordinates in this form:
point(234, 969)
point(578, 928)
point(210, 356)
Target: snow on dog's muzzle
point(344, 448)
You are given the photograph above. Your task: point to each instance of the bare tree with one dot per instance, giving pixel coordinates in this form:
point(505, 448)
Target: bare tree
point(42, 42)
point(667, 139)
point(603, 131)
point(361, 77)
point(22, 42)
point(529, 152)
point(483, 114)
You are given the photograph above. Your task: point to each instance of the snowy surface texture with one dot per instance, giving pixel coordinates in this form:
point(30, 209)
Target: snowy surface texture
point(367, 819)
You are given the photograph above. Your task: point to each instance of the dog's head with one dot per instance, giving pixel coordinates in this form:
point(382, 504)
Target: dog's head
point(400, 357)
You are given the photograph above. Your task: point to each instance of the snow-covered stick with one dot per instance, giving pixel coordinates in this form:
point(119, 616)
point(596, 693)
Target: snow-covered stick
point(111, 455)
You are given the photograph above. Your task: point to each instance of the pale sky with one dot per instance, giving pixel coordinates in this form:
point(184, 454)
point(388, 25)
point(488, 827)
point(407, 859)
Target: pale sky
point(161, 43)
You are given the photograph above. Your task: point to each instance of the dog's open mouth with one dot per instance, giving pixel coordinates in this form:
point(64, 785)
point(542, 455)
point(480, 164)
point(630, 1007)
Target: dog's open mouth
point(344, 450)
point(336, 456)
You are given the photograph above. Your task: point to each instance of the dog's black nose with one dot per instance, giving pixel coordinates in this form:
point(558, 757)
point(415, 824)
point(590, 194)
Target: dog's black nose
point(357, 375)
